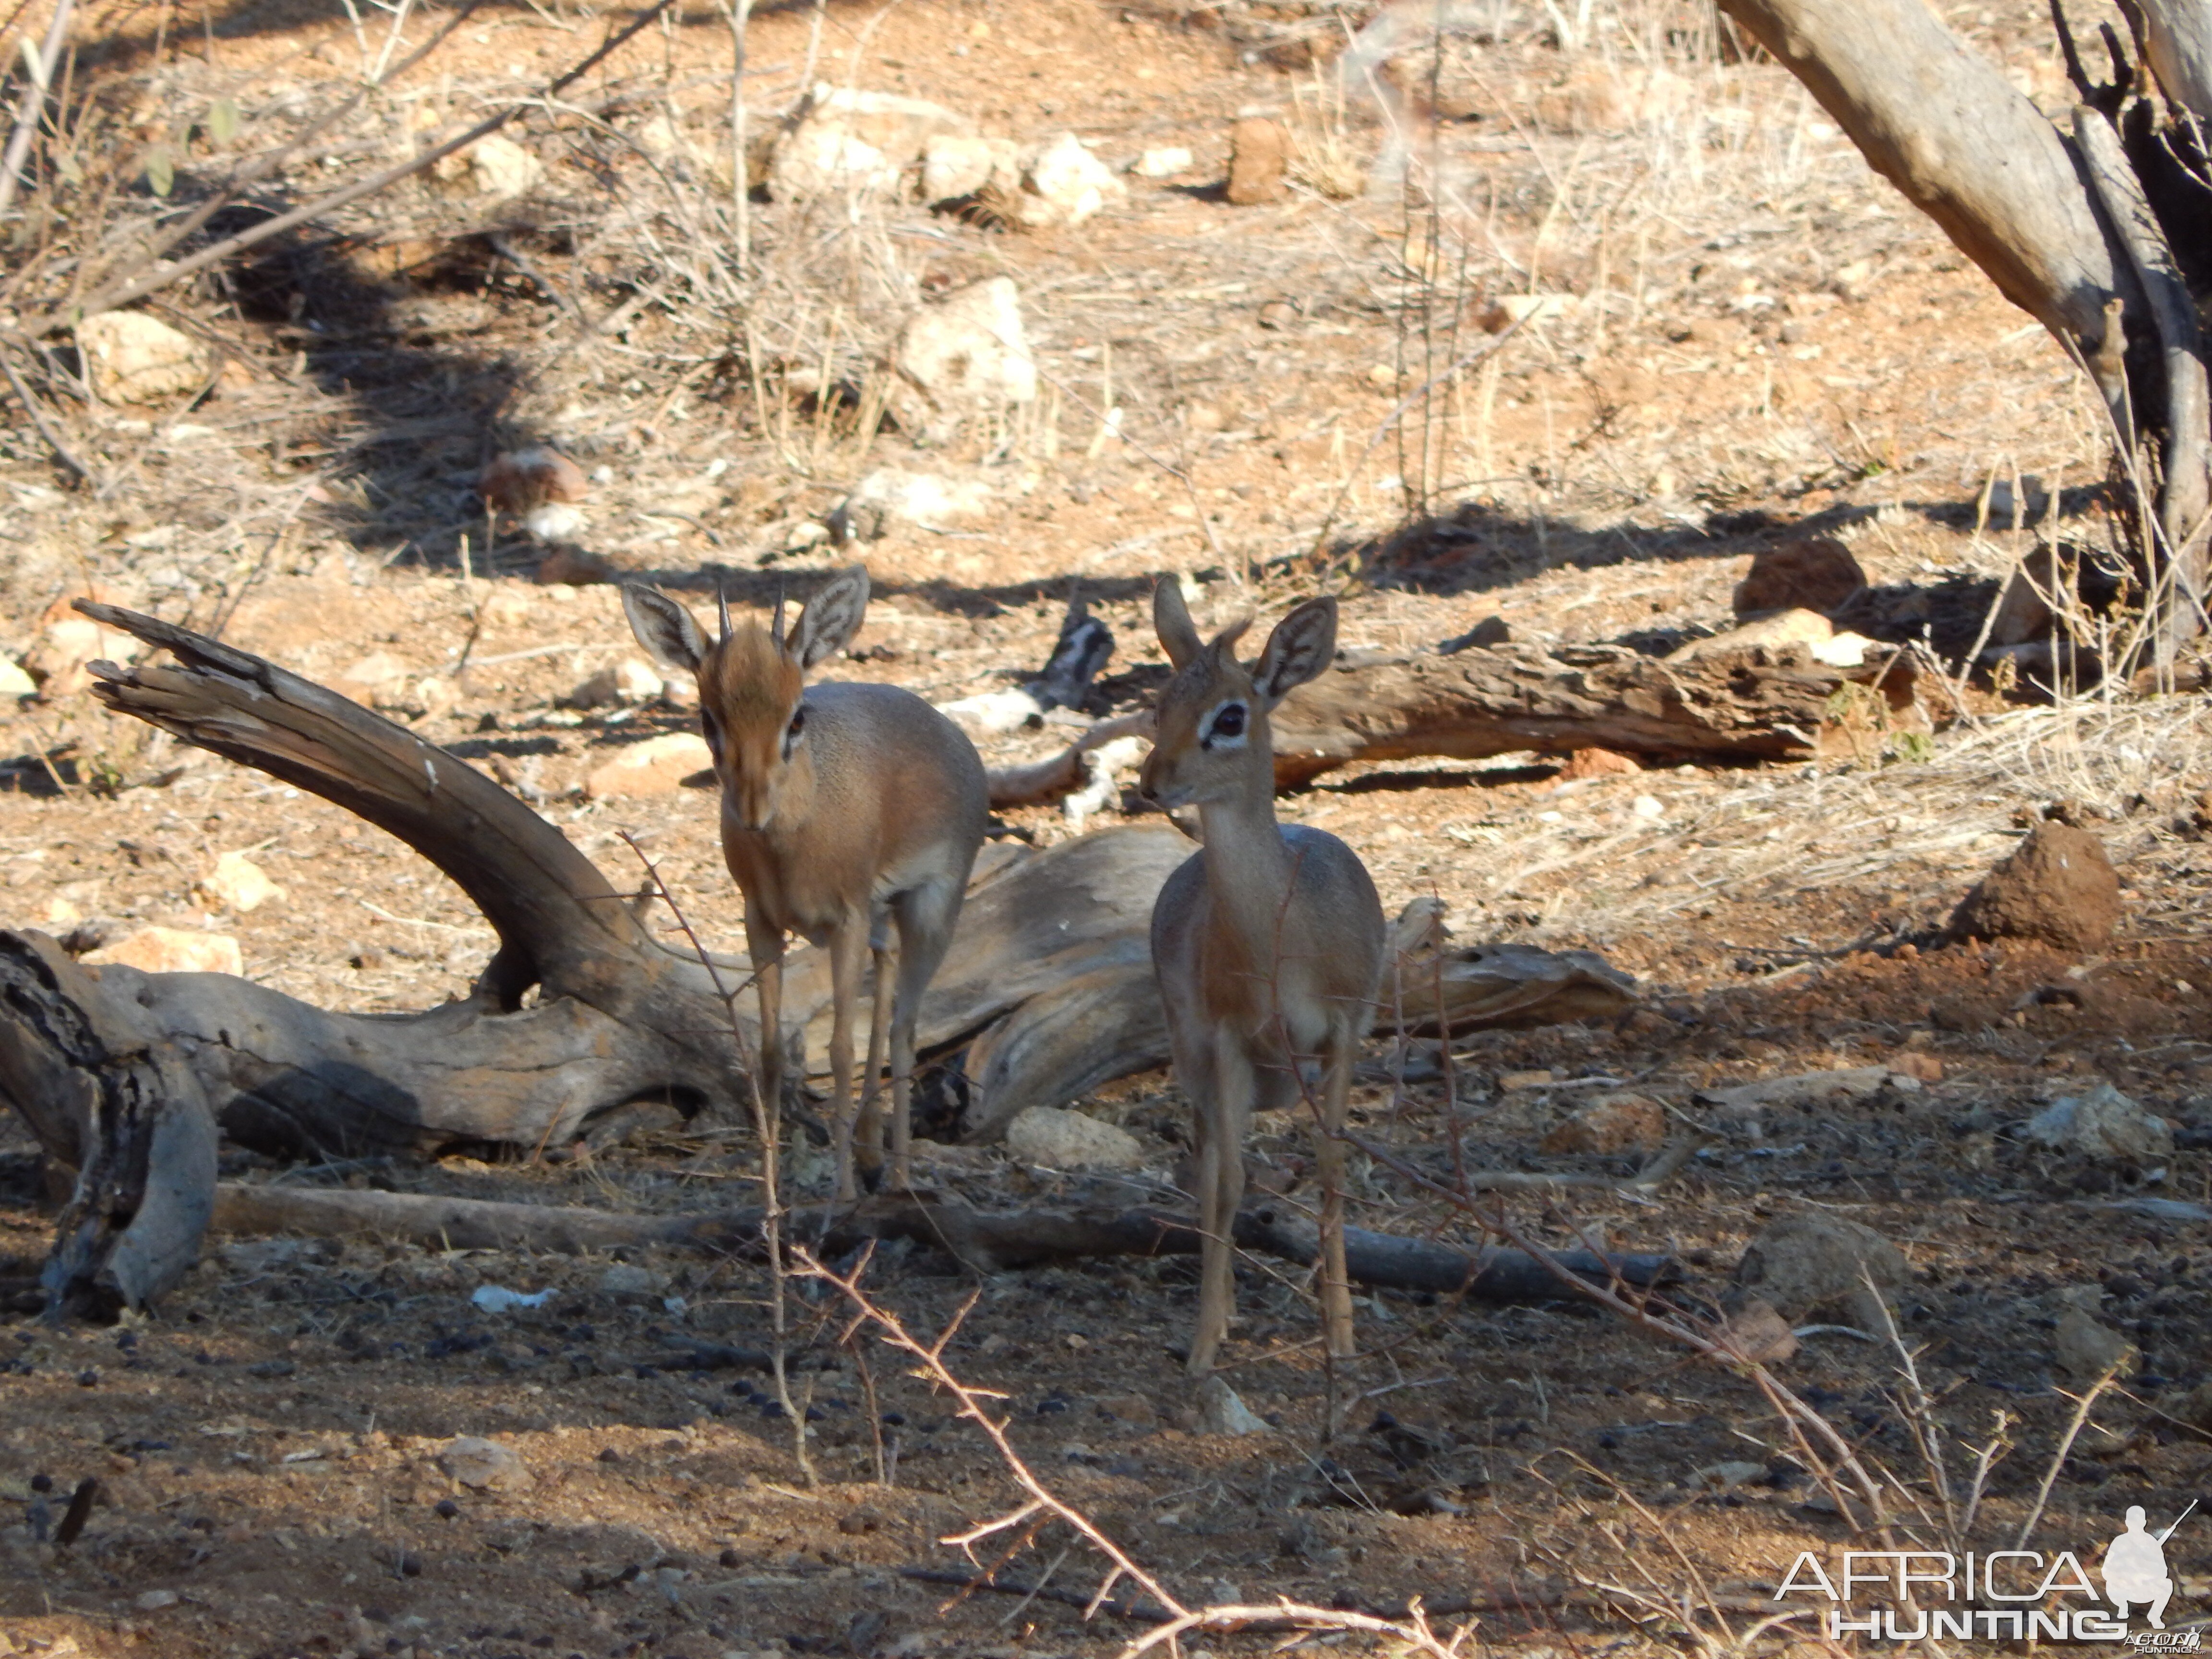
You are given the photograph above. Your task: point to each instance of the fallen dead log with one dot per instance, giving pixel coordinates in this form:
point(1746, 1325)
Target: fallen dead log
point(126, 1076)
point(984, 1241)
point(1758, 704)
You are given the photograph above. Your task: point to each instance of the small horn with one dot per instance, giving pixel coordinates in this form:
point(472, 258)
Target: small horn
point(723, 601)
point(776, 628)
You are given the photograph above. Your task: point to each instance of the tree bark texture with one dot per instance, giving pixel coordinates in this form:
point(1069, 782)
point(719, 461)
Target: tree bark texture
point(2060, 222)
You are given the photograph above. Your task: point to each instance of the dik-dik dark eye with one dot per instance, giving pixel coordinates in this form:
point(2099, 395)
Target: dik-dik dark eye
point(791, 732)
point(1227, 725)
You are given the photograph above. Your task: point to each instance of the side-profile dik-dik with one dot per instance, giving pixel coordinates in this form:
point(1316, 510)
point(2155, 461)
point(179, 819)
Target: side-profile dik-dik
point(1268, 944)
point(845, 807)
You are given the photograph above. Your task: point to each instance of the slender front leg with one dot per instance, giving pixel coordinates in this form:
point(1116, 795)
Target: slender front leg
point(766, 950)
point(848, 940)
point(1338, 1048)
point(1222, 1111)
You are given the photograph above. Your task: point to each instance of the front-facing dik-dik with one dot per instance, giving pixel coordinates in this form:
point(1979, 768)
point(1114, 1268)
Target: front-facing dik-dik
point(1268, 944)
point(844, 806)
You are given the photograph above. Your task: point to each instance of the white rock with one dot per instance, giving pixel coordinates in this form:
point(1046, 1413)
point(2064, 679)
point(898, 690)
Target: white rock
point(889, 495)
point(379, 679)
point(13, 682)
point(132, 358)
point(1064, 185)
point(968, 352)
point(848, 140)
point(991, 711)
point(154, 1601)
point(956, 165)
point(2103, 1124)
point(627, 1279)
point(1053, 1139)
point(485, 1464)
point(655, 767)
point(495, 167)
point(1165, 162)
point(628, 682)
point(1220, 1411)
point(2087, 1349)
point(237, 883)
point(1647, 807)
point(435, 695)
point(172, 951)
point(1843, 651)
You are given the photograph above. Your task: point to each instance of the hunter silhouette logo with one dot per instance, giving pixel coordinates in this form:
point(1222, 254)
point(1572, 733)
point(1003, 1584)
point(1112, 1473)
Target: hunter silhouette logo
point(2014, 1595)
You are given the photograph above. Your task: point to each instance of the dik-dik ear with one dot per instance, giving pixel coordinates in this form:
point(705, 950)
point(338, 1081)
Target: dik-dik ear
point(1171, 621)
point(1302, 645)
point(663, 626)
point(831, 618)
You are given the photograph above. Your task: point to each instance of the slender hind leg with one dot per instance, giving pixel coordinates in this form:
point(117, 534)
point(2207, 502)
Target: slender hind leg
point(1221, 1105)
point(879, 1043)
point(1337, 1051)
point(847, 942)
point(924, 916)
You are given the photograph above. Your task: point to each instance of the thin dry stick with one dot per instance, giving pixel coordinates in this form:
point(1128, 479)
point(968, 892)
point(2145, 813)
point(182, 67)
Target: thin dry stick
point(765, 1128)
point(34, 102)
point(230, 245)
point(973, 1406)
point(2081, 1409)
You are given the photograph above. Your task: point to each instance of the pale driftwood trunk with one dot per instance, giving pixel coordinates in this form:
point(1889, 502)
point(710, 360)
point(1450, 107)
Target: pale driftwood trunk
point(2061, 224)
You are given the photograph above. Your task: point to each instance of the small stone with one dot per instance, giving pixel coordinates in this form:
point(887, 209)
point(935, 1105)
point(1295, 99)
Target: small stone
point(13, 682)
point(172, 951)
point(378, 680)
point(2103, 1126)
point(1597, 763)
point(966, 353)
point(1165, 162)
point(437, 696)
point(1055, 1139)
point(629, 682)
point(1799, 1264)
point(2086, 1350)
point(1278, 315)
point(1761, 1335)
point(655, 767)
point(487, 1465)
point(889, 497)
point(1131, 1408)
point(1259, 159)
point(1719, 1477)
point(1612, 1124)
point(571, 567)
point(2056, 886)
point(132, 358)
point(627, 1279)
point(1220, 1412)
point(956, 166)
point(1065, 184)
point(236, 884)
point(1817, 574)
point(847, 141)
point(1926, 1068)
point(1511, 1080)
point(1529, 309)
point(495, 167)
point(154, 1601)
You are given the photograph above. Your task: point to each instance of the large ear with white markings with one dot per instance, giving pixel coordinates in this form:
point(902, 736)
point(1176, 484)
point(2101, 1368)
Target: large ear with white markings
point(831, 618)
point(1302, 645)
point(663, 626)
point(1171, 621)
